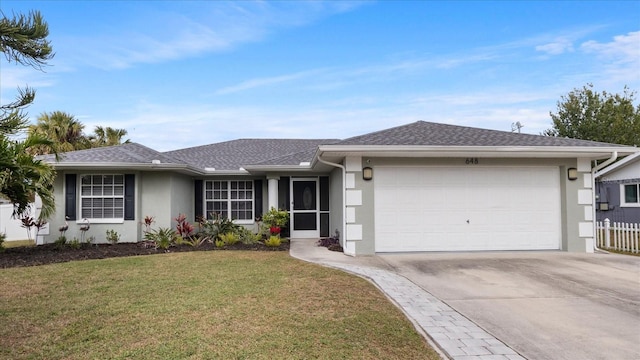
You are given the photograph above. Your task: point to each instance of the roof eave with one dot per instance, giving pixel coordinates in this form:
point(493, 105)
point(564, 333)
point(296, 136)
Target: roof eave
point(277, 168)
point(591, 152)
point(123, 165)
point(620, 164)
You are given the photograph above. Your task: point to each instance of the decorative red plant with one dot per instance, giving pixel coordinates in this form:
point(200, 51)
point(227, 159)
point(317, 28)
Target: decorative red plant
point(184, 228)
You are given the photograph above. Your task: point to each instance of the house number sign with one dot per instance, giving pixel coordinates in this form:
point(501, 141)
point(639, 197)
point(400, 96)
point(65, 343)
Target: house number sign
point(471, 161)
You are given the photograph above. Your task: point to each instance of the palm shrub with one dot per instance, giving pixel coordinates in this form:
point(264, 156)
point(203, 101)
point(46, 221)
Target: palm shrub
point(218, 225)
point(163, 238)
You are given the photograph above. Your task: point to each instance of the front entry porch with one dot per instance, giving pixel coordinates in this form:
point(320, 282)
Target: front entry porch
point(307, 201)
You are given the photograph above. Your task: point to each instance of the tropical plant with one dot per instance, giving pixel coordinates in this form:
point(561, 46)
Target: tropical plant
point(218, 225)
point(107, 136)
point(183, 227)
point(163, 238)
point(196, 240)
point(229, 238)
point(63, 129)
point(22, 177)
point(147, 222)
point(273, 241)
point(247, 236)
point(275, 218)
point(23, 40)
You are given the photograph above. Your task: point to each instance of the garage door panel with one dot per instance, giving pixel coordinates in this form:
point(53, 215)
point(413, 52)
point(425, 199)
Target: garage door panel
point(507, 208)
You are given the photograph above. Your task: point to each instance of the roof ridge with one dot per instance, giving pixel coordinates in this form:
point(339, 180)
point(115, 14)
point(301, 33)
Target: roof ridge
point(250, 139)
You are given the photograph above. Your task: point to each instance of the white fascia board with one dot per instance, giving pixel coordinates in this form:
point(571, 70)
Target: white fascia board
point(277, 168)
point(622, 163)
point(226, 172)
point(476, 151)
point(116, 166)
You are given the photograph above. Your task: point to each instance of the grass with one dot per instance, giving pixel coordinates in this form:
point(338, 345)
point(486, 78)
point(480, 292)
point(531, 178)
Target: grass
point(18, 243)
point(199, 305)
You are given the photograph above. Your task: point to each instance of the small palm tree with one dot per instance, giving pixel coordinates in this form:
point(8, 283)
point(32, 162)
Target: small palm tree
point(64, 130)
point(23, 176)
point(108, 136)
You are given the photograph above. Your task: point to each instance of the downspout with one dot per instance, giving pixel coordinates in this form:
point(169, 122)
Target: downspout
point(344, 196)
point(594, 171)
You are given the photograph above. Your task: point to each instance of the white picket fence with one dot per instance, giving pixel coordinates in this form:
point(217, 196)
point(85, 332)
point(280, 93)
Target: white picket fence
point(618, 236)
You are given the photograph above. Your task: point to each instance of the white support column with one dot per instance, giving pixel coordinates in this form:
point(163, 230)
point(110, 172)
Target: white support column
point(273, 191)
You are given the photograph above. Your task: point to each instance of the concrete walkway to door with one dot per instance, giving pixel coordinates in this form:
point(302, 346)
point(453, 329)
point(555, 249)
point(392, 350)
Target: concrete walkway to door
point(448, 332)
point(534, 305)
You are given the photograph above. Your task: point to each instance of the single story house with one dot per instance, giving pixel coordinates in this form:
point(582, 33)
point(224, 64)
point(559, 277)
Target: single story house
point(618, 191)
point(418, 187)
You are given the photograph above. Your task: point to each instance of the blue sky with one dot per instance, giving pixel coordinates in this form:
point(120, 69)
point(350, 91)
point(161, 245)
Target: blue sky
point(176, 74)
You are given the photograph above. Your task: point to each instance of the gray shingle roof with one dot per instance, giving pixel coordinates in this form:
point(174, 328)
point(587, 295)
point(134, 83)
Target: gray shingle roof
point(131, 153)
point(231, 155)
point(434, 134)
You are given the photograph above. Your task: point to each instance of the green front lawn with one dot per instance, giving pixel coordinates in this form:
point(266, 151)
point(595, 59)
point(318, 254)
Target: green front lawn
point(199, 305)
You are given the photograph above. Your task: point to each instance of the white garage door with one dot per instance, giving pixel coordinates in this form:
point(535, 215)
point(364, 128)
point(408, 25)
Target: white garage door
point(467, 208)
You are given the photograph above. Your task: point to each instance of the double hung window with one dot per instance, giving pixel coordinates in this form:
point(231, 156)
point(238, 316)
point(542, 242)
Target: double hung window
point(231, 199)
point(102, 196)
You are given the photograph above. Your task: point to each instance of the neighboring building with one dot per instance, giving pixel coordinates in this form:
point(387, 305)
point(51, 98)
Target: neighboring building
point(418, 187)
point(618, 191)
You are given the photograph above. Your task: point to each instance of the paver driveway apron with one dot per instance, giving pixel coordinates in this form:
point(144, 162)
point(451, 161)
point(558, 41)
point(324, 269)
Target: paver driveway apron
point(545, 305)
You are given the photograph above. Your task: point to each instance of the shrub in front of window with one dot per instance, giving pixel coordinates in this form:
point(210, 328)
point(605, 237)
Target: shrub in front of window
point(217, 226)
point(60, 241)
point(229, 238)
point(113, 237)
point(163, 238)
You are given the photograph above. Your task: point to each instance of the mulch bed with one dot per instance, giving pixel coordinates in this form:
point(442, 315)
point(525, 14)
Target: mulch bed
point(51, 253)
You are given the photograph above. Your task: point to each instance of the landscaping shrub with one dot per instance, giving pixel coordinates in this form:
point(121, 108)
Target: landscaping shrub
point(3, 237)
point(60, 241)
point(218, 225)
point(275, 220)
point(163, 238)
point(273, 241)
point(74, 243)
point(113, 237)
point(229, 238)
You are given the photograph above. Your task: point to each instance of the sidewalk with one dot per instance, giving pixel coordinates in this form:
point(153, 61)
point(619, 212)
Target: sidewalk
point(447, 331)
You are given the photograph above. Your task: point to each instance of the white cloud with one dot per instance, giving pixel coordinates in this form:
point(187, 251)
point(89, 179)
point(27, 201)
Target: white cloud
point(216, 27)
point(267, 81)
point(620, 57)
point(557, 47)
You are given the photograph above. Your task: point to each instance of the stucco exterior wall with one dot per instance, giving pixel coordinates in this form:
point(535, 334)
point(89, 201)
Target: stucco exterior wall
point(335, 203)
point(128, 229)
point(155, 199)
point(576, 195)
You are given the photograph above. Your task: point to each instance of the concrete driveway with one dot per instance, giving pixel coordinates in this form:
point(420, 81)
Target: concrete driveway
point(545, 305)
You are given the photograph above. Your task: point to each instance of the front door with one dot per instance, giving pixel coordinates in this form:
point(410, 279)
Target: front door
point(304, 208)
